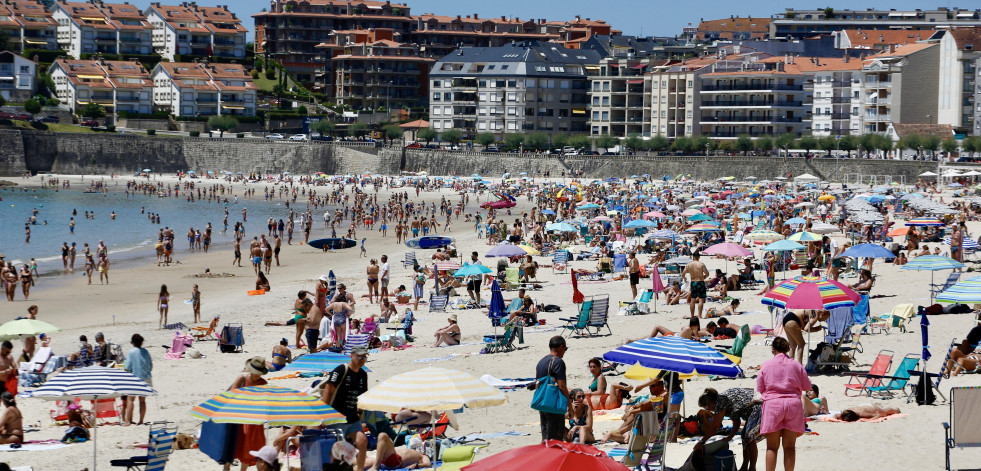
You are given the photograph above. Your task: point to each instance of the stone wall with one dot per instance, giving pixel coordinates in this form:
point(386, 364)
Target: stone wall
point(156, 124)
point(11, 153)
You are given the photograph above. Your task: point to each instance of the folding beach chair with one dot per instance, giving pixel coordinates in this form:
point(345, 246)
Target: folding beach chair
point(356, 340)
point(560, 261)
point(410, 260)
point(437, 302)
point(734, 352)
point(406, 326)
point(646, 429)
point(577, 325)
point(861, 381)
point(35, 372)
point(84, 358)
point(964, 428)
point(619, 263)
point(835, 355)
point(638, 305)
point(501, 343)
point(897, 319)
point(231, 339)
point(951, 281)
point(106, 409)
point(933, 379)
point(162, 435)
point(599, 314)
point(206, 333)
point(900, 377)
point(512, 278)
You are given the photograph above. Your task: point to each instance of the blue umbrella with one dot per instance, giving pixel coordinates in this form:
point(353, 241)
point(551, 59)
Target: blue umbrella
point(561, 227)
point(932, 263)
point(868, 251)
point(795, 221)
point(783, 245)
point(495, 310)
point(320, 361)
point(640, 223)
point(924, 324)
point(548, 212)
point(472, 269)
point(506, 250)
point(331, 284)
point(674, 354)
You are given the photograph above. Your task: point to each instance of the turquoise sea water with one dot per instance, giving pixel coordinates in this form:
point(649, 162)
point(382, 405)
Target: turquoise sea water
point(131, 235)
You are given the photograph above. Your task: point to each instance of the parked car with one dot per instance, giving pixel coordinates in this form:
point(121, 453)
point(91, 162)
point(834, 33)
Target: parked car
point(414, 145)
point(6, 116)
point(22, 116)
point(589, 152)
point(90, 123)
point(491, 149)
point(50, 119)
point(274, 137)
point(299, 137)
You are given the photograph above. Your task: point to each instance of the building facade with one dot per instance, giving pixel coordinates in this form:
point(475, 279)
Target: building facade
point(96, 27)
point(834, 91)
point(797, 24)
point(523, 87)
point(16, 77)
point(28, 25)
point(202, 89)
point(114, 85)
point(900, 85)
point(191, 30)
point(956, 97)
point(373, 70)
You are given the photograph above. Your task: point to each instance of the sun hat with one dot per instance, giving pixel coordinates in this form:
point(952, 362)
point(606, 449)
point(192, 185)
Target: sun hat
point(323, 278)
point(256, 366)
point(359, 350)
point(452, 318)
point(267, 454)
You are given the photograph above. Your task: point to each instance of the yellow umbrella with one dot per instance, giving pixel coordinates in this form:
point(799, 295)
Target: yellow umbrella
point(643, 373)
point(529, 249)
point(825, 198)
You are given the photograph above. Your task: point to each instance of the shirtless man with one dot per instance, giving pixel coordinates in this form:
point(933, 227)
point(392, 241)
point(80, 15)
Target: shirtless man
point(697, 273)
point(314, 317)
point(633, 267)
point(256, 254)
point(238, 254)
point(276, 248)
point(7, 364)
point(692, 332)
point(11, 422)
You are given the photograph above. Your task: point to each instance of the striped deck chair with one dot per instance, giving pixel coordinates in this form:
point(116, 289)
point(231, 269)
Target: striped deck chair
point(599, 314)
point(356, 340)
point(162, 435)
point(560, 261)
point(964, 429)
point(410, 260)
point(619, 263)
point(437, 302)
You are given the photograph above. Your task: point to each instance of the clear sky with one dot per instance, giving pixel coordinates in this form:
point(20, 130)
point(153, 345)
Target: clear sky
point(633, 17)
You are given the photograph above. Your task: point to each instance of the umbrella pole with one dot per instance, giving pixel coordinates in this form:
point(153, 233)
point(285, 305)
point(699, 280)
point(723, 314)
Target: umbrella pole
point(432, 430)
point(667, 427)
point(95, 429)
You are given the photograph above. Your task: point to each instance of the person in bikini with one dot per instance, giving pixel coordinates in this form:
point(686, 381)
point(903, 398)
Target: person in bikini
point(281, 355)
point(11, 422)
point(813, 402)
point(963, 359)
point(372, 272)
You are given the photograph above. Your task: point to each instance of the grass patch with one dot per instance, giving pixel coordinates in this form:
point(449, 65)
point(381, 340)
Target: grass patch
point(264, 84)
point(55, 127)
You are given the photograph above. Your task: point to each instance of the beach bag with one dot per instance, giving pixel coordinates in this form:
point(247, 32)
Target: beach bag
point(548, 397)
point(75, 434)
point(924, 392)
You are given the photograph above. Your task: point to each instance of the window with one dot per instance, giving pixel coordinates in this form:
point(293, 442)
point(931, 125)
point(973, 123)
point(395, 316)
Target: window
point(500, 84)
point(664, 114)
point(436, 84)
point(595, 129)
point(595, 115)
point(606, 101)
point(512, 125)
point(482, 84)
point(512, 110)
point(448, 96)
point(512, 96)
point(596, 101)
point(563, 84)
point(436, 96)
point(606, 116)
point(530, 83)
point(512, 83)
point(448, 110)
point(436, 110)
point(689, 84)
point(596, 86)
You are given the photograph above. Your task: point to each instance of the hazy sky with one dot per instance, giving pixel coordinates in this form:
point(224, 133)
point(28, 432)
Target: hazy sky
point(633, 17)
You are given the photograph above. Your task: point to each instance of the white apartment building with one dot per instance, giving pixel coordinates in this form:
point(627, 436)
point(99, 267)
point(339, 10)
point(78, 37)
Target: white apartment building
point(675, 97)
point(115, 85)
point(189, 29)
point(900, 86)
point(27, 25)
point(834, 86)
point(956, 97)
point(96, 27)
point(192, 89)
point(619, 97)
point(16, 77)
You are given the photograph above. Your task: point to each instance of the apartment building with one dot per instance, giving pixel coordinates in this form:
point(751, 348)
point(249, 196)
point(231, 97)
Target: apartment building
point(834, 91)
point(96, 27)
point(900, 85)
point(373, 70)
point(115, 85)
point(28, 25)
point(675, 97)
point(976, 81)
point(877, 40)
point(956, 95)
point(796, 24)
point(189, 29)
point(16, 77)
point(733, 28)
point(752, 97)
point(522, 87)
point(202, 89)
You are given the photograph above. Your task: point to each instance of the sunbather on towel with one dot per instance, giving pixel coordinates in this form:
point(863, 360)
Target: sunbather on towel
point(872, 411)
point(619, 392)
point(963, 359)
point(386, 457)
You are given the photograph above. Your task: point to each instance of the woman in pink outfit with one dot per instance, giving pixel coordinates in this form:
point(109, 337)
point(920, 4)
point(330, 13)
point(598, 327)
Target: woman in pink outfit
point(780, 383)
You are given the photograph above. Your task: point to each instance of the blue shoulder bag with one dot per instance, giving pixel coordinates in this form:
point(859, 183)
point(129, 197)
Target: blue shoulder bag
point(548, 397)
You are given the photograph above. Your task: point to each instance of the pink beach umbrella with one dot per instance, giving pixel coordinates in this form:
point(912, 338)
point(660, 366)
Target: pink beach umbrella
point(658, 285)
point(728, 249)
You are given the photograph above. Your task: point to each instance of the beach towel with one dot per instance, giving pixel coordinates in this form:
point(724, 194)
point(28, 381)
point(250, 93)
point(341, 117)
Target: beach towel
point(506, 383)
point(488, 436)
point(40, 446)
point(176, 326)
point(831, 418)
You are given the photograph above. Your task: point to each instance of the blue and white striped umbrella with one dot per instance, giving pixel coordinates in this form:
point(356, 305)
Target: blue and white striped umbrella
point(663, 234)
point(674, 354)
point(963, 292)
point(932, 263)
point(93, 382)
point(967, 243)
point(320, 361)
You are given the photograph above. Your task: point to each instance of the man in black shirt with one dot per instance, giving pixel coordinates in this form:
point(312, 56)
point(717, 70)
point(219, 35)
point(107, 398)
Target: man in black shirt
point(341, 390)
point(553, 425)
point(974, 336)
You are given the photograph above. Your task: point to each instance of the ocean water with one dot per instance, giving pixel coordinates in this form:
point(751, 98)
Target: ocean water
point(131, 235)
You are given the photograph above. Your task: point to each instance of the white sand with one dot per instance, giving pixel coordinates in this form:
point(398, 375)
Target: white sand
point(911, 442)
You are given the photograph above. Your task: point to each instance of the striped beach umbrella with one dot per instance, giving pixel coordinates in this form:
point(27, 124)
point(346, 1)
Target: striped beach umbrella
point(810, 292)
point(932, 263)
point(663, 234)
point(804, 236)
point(967, 243)
point(448, 265)
point(763, 236)
point(430, 389)
point(267, 405)
point(963, 292)
point(320, 361)
point(925, 221)
point(675, 354)
point(703, 228)
point(504, 250)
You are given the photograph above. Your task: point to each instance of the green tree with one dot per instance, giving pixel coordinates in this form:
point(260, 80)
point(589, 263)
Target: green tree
point(606, 142)
point(682, 144)
point(537, 141)
point(727, 146)
point(514, 141)
point(222, 123)
point(427, 134)
point(807, 143)
point(763, 144)
point(634, 143)
point(581, 141)
point(829, 13)
point(785, 141)
point(848, 143)
point(486, 138)
point(912, 142)
point(560, 140)
point(453, 136)
point(703, 143)
point(972, 145)
point(358, 129)
point(324, 128)
point(744, 144)
point(93, 110)
point(32, 106)
point(932, 144)
point(950, 146)
point(828, 144)
point(393, 131)
point(301, 110)
point(659, 143)
point(3, 101)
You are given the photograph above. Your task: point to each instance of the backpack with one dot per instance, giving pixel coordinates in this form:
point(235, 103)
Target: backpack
point(923, 391)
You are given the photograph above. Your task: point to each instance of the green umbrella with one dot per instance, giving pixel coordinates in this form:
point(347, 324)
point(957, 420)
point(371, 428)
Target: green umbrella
point(15, 329)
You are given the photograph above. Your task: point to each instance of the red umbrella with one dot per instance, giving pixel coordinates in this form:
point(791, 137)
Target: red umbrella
point(551, 455)
point(577, 296)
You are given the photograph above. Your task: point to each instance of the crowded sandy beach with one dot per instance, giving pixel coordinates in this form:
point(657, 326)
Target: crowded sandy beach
point(678, 262)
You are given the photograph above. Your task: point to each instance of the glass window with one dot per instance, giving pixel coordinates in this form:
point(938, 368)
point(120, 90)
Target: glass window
point(436, 96)
point(436, 84)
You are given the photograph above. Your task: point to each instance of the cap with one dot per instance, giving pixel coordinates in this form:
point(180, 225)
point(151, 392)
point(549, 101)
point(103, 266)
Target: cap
point(359, 350)
point(256, 366)
point(267, 454)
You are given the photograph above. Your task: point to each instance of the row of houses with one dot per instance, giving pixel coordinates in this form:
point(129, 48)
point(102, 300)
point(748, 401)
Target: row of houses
point(122, 28)
point(739, 90)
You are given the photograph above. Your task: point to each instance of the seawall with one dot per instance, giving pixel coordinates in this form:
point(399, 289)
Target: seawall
point(77, 153)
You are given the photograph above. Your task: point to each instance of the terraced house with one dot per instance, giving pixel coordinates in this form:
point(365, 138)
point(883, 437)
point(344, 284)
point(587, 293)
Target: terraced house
point(27, 25)
point(96, 27)
point(191, 30)
point(114, 85)
point(202, 89)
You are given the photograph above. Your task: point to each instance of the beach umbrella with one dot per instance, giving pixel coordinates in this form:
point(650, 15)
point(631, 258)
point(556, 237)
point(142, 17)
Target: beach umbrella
point(663, 234)
point(783, 246)
point(577, 296)
point(728, 249)
point(548, 212)
point(899, 232)
point(529, 249)
point(796, 221)
point(550, 455)
point(319, 362)
point(967, 243)
point(925, 221)
point(932, 263)
point(763, 236)
point(473, 269)
point(93, 383)
point(267, 405)
point(14, 329)
point(810, 292)
point(602, 219)
point(703, 228)
point(495, 309)
point(430, 389)
point(640, 223)
point(331, 284)
point(804, 236)
point(963, 292)
point(505, 250)
point(589, 206)
point(824, 228)
point(826, 198)
point(448, 265)
point(700, 217)
point(868, 251)
point(657, 285)
point(561, 227)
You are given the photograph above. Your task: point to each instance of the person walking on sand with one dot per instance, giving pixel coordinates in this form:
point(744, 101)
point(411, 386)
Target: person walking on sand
point(780, 382)
point(89, 266)
point(385, 275)
point(697, 274)
point(196, 303)
point(418, 287)
point(238, 253)
point(552, 365)
point(163, 300)
point(139, 363)
point(372, 272)
point(633, 266)
point(103, 269)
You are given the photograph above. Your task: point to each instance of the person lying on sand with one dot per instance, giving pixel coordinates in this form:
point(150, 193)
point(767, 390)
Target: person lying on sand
point(872, 411)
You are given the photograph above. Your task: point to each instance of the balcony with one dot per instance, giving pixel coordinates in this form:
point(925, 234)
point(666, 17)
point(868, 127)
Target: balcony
point(754, 103)
point(206, 100)
point(101, 38)
point(131, 39)
point(878, 117)
point(737, 134)
point(753, 87)
point(746, 119)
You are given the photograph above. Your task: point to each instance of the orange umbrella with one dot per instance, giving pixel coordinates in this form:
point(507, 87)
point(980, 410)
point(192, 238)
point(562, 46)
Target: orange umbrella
point(898, 232)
